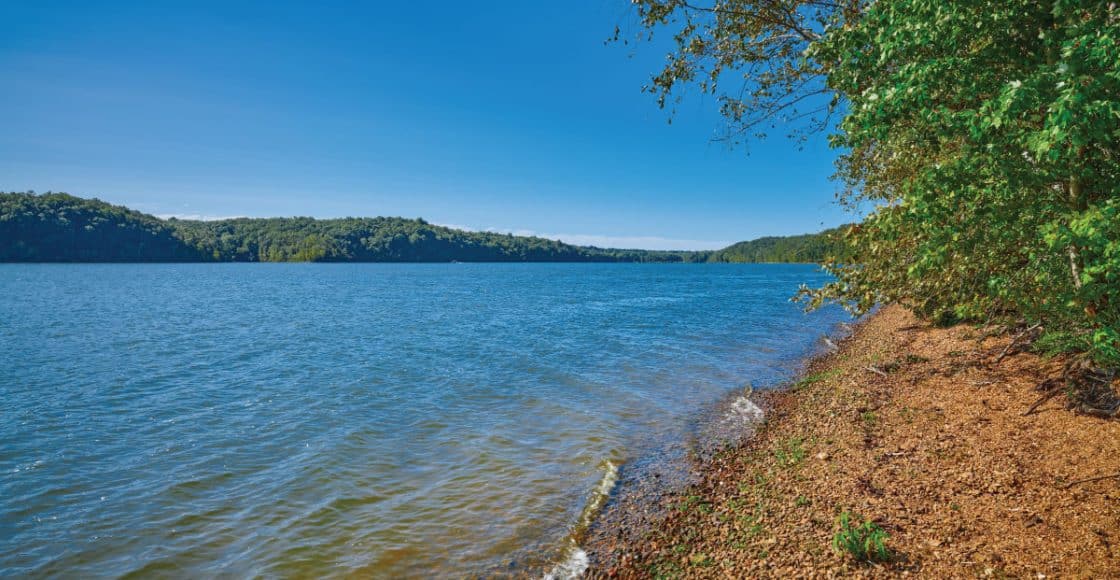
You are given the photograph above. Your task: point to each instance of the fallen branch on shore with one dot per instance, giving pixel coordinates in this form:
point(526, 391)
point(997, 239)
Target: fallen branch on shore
point(876, 370)
point(1098, 412)
point(1089, 479)
point(1015, 341)
point(1093, 394)
point(1049, 394)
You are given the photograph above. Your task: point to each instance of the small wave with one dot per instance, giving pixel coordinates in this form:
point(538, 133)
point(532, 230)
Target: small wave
point(743, 409)
point(600, 495)
point(574, 565)
point(575, 561)
point(732, 422)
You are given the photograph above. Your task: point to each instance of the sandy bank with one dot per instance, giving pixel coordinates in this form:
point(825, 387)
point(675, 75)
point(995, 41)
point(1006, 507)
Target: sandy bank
point(932, 445)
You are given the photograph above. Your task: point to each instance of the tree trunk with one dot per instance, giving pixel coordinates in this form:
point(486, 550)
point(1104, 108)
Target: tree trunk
point(1074, 256)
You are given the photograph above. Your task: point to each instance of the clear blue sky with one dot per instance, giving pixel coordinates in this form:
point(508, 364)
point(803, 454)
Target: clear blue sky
point(511, 116)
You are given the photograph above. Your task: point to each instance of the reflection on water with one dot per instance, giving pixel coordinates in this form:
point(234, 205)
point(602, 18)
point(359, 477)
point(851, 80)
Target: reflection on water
point(354, 419)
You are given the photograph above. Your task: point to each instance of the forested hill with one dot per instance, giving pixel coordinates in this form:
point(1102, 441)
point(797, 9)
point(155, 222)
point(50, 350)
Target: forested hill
point(57, 227)
point(803, 248)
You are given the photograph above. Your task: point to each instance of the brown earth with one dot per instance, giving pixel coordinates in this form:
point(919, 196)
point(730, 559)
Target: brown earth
point(935, 449)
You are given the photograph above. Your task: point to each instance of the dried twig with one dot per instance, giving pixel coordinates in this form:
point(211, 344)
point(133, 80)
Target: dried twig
point(1098, 412)
point(1014, 341)
point(1049, 394)
point(1089, 479)
point(1094, 395)
point(876, 371)
point(1106, 380)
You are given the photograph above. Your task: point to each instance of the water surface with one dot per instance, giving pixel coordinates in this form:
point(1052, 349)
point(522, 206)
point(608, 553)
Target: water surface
point(371, 419)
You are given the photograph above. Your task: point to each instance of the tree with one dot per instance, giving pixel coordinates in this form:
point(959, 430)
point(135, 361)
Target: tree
point(985, 133)
point(989, 133)
point(752, 55)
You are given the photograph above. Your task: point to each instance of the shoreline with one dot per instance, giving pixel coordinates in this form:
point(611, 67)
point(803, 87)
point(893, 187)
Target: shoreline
point(912, 427)
point(668, 467)
point(647, 487)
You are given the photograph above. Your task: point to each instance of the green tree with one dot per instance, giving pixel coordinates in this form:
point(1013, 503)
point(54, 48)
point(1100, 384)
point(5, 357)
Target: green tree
point(988, 135)
point(984, 134)
point(61, 227)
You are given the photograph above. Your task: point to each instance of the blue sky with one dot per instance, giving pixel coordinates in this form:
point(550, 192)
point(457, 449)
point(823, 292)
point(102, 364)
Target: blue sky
point(511, 116)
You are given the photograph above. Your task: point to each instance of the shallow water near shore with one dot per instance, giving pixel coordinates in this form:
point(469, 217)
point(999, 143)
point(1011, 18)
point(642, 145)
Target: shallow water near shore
point(372, 419)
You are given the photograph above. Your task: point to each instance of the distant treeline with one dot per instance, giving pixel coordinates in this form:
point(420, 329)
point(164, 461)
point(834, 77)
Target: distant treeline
point(57, 227)
point(804, 248)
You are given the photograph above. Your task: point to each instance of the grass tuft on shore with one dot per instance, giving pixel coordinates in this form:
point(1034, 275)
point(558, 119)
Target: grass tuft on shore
point(865, 542)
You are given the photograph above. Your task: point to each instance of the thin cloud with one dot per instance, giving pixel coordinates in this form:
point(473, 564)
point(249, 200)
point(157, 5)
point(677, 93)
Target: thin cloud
point(598, 240)
point(196, 217)
point(637, 242)
point(607, 241)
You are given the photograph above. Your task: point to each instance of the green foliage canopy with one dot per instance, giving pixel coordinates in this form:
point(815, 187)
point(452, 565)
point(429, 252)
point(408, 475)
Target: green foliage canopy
point(988, 135)
point(985, 133)
point(56, 227)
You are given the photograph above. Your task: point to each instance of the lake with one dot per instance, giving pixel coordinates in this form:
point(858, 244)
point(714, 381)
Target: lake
point(378, 420)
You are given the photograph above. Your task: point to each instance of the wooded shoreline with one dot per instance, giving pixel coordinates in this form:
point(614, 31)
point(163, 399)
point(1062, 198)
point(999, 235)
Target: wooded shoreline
point(58, 227)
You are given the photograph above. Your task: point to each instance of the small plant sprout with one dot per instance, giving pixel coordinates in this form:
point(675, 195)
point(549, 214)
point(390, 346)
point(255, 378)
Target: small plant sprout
point(865, 542)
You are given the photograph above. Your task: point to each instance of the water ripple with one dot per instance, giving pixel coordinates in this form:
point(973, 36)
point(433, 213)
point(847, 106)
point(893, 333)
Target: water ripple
point(334, 420)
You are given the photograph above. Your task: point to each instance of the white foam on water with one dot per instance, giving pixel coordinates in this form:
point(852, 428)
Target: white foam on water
point(576, 561)
point(610, 478)
point(735, 422)
point(744, 410)
point(573, 566)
